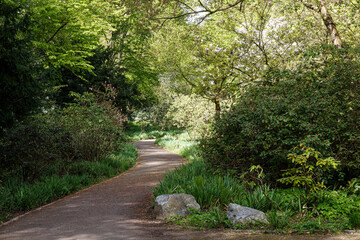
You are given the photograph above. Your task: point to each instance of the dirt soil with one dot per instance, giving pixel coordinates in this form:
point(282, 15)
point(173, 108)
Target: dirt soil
point(120, 208)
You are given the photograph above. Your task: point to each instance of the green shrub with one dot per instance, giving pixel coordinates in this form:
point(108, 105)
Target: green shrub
point(30, 148)
point(317, 105)
point(333, 204)
point(84, 130)
point(96, 127)
point(309, 171)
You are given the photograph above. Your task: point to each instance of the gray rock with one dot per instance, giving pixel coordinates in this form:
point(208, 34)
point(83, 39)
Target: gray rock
point(239, 214)
point(170, 205)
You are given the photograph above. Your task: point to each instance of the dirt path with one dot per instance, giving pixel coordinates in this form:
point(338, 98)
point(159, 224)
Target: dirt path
point(117, 209)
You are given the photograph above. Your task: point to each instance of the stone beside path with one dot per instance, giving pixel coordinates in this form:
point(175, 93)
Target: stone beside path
point(118, 209)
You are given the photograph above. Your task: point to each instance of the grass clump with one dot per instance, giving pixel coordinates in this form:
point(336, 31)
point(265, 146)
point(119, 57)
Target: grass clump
point(354, 219)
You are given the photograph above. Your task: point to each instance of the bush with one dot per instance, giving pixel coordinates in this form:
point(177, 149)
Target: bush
point(317, 105)
point(85, 130)
point(96, 127)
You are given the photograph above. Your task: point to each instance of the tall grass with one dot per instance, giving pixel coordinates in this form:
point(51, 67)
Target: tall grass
point(210, 190)
point(17, 195)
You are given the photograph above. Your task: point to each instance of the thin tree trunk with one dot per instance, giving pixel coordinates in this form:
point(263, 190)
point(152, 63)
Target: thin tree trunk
point(328, 21)
point(216, 100)
point(330, 25)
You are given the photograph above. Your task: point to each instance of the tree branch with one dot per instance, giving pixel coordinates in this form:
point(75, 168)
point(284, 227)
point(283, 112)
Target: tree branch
point(184, 76)
point(205, 10)
point(309, 6)
point(56, 32)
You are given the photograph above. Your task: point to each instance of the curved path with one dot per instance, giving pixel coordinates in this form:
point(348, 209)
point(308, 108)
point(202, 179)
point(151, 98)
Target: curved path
point(115, 209)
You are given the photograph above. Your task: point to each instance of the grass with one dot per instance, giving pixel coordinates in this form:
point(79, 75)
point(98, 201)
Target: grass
point(17, 195)
point(334, 211)
point(180, 142)
point(214, 218)
point(138, 132)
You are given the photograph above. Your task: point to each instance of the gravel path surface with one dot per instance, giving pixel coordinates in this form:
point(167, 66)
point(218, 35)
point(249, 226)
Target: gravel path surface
point(118, 209)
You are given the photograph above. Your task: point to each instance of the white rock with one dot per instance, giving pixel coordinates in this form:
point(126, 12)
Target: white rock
point(170, 205)
point(239, 214)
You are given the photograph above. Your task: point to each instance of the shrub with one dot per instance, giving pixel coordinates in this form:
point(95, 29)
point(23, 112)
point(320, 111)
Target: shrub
point(85, 130)
point(96, 127)
point(317, 105)
point(309, 171)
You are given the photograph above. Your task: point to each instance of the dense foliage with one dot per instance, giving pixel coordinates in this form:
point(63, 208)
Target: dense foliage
point(288, 210)
point(50, 48)
point(19, 86)
point(317, 105)
point(86, 130)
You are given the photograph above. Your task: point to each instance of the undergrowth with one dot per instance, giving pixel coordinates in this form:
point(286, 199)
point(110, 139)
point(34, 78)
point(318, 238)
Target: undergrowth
point(285, 209)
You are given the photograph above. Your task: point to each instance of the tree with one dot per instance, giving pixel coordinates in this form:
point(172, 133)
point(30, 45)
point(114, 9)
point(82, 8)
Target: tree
point(122, 59)
point(19, 86)
point(202, 61)
point(67, 32)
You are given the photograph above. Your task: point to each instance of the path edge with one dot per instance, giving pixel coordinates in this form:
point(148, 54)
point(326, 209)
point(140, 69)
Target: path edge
point(73, 194)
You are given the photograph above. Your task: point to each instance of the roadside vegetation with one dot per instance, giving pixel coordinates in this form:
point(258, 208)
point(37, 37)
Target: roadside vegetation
point(60, 151)
point(289, 210)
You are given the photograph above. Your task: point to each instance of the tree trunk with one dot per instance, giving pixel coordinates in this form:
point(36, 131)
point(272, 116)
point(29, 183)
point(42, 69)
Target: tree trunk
point(216, 100)
point(330, 25)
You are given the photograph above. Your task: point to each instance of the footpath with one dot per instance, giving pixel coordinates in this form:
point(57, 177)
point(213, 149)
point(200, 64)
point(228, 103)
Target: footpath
point(118, 208)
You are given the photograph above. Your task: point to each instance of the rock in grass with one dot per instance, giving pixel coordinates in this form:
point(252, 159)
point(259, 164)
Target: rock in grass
point(170, 205)
point(242, 215)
